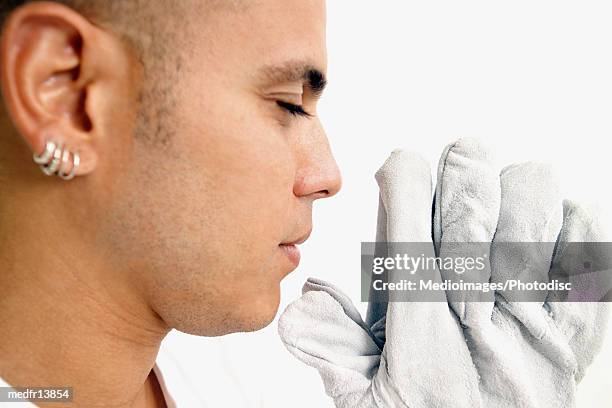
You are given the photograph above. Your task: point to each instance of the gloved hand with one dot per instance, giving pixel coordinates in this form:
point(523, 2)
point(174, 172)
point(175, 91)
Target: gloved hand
point(457, 354)
point(527, 354)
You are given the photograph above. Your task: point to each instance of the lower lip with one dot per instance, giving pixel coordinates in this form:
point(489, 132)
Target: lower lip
point(292, 252)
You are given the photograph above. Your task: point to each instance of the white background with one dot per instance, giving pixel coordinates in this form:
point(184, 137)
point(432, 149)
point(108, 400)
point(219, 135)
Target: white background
point(531, 78)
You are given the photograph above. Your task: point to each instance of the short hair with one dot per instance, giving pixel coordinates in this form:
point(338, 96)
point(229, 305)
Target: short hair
point(155, 46)
point(121, 14)
point(8, 6)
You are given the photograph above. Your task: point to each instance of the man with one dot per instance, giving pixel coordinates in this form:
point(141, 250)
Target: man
point(194, 156)
point(185, 155)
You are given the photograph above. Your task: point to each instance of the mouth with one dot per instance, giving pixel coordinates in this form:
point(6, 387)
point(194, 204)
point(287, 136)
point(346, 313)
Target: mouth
point(291, 250)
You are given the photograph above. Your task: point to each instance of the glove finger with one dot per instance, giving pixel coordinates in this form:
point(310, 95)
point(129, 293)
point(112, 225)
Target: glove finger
point(405, 190)
point(529, 223)
point(419, 364)
point(377, 301)
point(467, 203)
point(314, 284)
point(415, 364)
point(583, 255)
point(318, 332)
point(406, 193)
point(468, 194)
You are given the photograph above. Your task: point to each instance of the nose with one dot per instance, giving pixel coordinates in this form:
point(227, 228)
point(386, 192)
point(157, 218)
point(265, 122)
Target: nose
point(318, 175)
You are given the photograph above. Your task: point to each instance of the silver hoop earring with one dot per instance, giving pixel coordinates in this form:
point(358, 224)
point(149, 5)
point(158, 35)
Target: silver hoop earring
point(51, 167)
point(46, 155)
point(64, 162)
point(55, 160)
point(76, 161)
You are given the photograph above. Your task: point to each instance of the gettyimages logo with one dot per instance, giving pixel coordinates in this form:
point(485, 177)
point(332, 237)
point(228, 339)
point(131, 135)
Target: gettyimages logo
point(411, 264)
point(475, 272)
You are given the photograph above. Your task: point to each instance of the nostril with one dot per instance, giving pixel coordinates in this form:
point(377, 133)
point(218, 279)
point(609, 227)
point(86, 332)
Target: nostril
point(320, 194)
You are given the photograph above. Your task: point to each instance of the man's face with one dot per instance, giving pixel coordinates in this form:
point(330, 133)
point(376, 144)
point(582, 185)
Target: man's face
point(199, 222)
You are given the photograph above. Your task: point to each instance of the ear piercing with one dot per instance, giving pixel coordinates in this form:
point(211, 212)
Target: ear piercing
point(55, 159)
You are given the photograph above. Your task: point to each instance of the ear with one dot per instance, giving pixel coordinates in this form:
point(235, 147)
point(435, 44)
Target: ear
point(58, 79)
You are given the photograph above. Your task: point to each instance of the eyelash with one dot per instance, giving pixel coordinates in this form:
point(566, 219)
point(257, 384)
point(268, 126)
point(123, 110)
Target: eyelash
point(295, 110)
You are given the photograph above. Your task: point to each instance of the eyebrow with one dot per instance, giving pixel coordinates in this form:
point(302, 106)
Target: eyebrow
point(296, 71)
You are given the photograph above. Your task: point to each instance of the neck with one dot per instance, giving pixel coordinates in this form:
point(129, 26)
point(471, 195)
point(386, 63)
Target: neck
point(69, 317)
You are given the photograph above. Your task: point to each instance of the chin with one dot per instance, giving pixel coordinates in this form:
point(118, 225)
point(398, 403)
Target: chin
point(231, 315)
point(258, 314)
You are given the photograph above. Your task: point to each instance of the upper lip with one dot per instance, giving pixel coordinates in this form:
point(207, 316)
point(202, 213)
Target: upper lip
point(299, 240)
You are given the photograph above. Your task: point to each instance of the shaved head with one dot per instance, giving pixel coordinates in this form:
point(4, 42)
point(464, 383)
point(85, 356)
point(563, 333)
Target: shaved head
point(150, 30)
point(116, 12)
point(158, 32)
point(129, 17)
point(106, 12)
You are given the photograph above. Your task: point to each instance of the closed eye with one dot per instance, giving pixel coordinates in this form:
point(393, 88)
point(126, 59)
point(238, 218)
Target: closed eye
point(295, 110)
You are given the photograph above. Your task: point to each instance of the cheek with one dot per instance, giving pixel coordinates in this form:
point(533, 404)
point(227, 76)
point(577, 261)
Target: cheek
point(247, 166)
point(221, 193)
point(253, 192)
point(200, 219)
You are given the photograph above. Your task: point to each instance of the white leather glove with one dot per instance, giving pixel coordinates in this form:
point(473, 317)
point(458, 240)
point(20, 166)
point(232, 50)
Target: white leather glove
point(527, 354)
point(457, 354)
